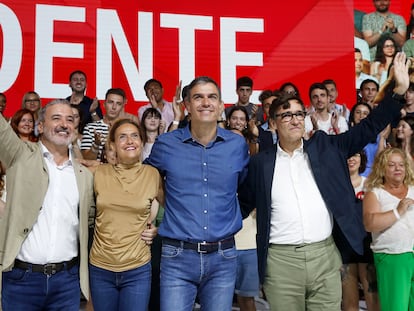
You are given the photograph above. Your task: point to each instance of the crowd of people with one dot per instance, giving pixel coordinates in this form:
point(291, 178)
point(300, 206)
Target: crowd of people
point(191, 202)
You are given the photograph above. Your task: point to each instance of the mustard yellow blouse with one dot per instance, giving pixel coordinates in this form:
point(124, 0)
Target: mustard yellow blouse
point(123, 203)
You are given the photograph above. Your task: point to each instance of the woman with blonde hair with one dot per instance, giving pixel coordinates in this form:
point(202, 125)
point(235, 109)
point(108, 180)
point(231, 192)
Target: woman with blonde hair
point(389, 215)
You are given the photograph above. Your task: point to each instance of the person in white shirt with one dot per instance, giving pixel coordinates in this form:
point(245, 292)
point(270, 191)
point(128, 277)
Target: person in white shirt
point(321, 118)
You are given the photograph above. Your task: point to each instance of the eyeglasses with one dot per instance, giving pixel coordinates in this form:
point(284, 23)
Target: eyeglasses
point(389, 46)
point(288, 116)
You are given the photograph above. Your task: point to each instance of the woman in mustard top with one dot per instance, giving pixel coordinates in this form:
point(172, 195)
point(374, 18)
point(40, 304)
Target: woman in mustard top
point(126, 203)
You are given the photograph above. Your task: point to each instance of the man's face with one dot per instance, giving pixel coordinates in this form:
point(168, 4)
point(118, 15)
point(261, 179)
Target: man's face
point(2, 104)
point(359, 64)
point(78, 83)
point(244, 93)
point(368, 92)
point(204, 104)
point(291, 131)
point(114, 104)
point(154, 89)
point(319, 99)
point(266, 104)
point(332, 92)
point(409, 97)
point(58, 126)
point(382, 6)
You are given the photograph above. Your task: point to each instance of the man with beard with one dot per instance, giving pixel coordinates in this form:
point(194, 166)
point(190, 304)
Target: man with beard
point(155, 92)
point(44, 229)
point(382, 22)
point(89, 107)
point(321, 118)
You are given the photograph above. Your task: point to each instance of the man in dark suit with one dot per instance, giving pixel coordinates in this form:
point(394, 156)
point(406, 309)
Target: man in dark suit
point(304, 199)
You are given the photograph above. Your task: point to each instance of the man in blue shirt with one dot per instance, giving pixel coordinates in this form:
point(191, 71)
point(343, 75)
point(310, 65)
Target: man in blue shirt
point(203, 165)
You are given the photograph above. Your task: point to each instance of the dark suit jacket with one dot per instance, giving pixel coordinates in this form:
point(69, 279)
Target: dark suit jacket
point(327, 155)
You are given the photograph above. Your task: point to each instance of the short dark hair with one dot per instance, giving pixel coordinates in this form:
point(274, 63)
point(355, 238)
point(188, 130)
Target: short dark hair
point(116, 91)
point(76, 72)
point(201, 80)
point(268, 93)
point(317, 85)
point(366, 81)
point(329, 81)
point(283, 102)
point(146, 85)
point(244, 81)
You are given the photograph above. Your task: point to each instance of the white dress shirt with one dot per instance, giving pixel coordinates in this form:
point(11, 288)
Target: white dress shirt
point(298, 212)
point(54, 236)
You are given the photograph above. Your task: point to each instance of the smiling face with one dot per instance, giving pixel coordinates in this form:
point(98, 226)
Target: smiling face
point(127, 144)
point(404, 130)
point(154, 89)
point(204, 104)
point(26, 125)
point(78, 83)
point(58, 125)
point(354, 163)
point(237, 120)
point(290, 132)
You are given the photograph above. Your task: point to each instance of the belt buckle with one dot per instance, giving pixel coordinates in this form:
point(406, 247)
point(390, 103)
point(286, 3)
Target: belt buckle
point(199, 250)
point(49, 269)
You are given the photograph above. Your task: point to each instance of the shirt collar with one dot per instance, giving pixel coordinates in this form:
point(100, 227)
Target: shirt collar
point(282, 153)
point(222, 134)
point(46, 154)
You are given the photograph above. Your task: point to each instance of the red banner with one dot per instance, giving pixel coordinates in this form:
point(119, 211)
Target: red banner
point(125, 43)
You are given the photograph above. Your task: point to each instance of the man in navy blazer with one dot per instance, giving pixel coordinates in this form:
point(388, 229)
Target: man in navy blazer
point(304, 199)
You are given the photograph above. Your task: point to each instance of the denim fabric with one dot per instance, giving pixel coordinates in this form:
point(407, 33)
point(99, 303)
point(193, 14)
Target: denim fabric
point(120, 291)
point(186, 274)
point(247, 280)
point(200, 184)
point(26, 290)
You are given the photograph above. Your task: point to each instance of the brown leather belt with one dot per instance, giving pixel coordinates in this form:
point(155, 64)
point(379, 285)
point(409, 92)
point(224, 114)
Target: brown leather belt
point(49, 268)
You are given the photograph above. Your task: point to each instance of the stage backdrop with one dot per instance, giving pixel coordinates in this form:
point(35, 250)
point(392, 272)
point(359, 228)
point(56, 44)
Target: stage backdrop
point(124, 43)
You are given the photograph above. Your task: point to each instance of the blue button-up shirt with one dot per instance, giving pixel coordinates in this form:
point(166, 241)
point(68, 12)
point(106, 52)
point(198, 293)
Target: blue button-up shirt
point(200, 184)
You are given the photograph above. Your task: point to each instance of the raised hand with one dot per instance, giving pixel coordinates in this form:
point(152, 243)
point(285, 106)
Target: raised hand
point(402, 79)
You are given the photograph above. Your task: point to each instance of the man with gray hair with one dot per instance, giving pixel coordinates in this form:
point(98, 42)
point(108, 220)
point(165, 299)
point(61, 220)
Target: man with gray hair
point(44, 229)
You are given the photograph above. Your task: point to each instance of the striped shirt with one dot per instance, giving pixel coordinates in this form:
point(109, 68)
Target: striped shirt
point(88, 136)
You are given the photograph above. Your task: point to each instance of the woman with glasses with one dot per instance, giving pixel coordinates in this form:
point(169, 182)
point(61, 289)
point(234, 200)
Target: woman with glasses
point(386, 50)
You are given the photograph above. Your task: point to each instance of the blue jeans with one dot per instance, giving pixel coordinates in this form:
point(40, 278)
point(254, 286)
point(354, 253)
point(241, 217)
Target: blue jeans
point(128, 290)
point(26, 290)
point(187, 274)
